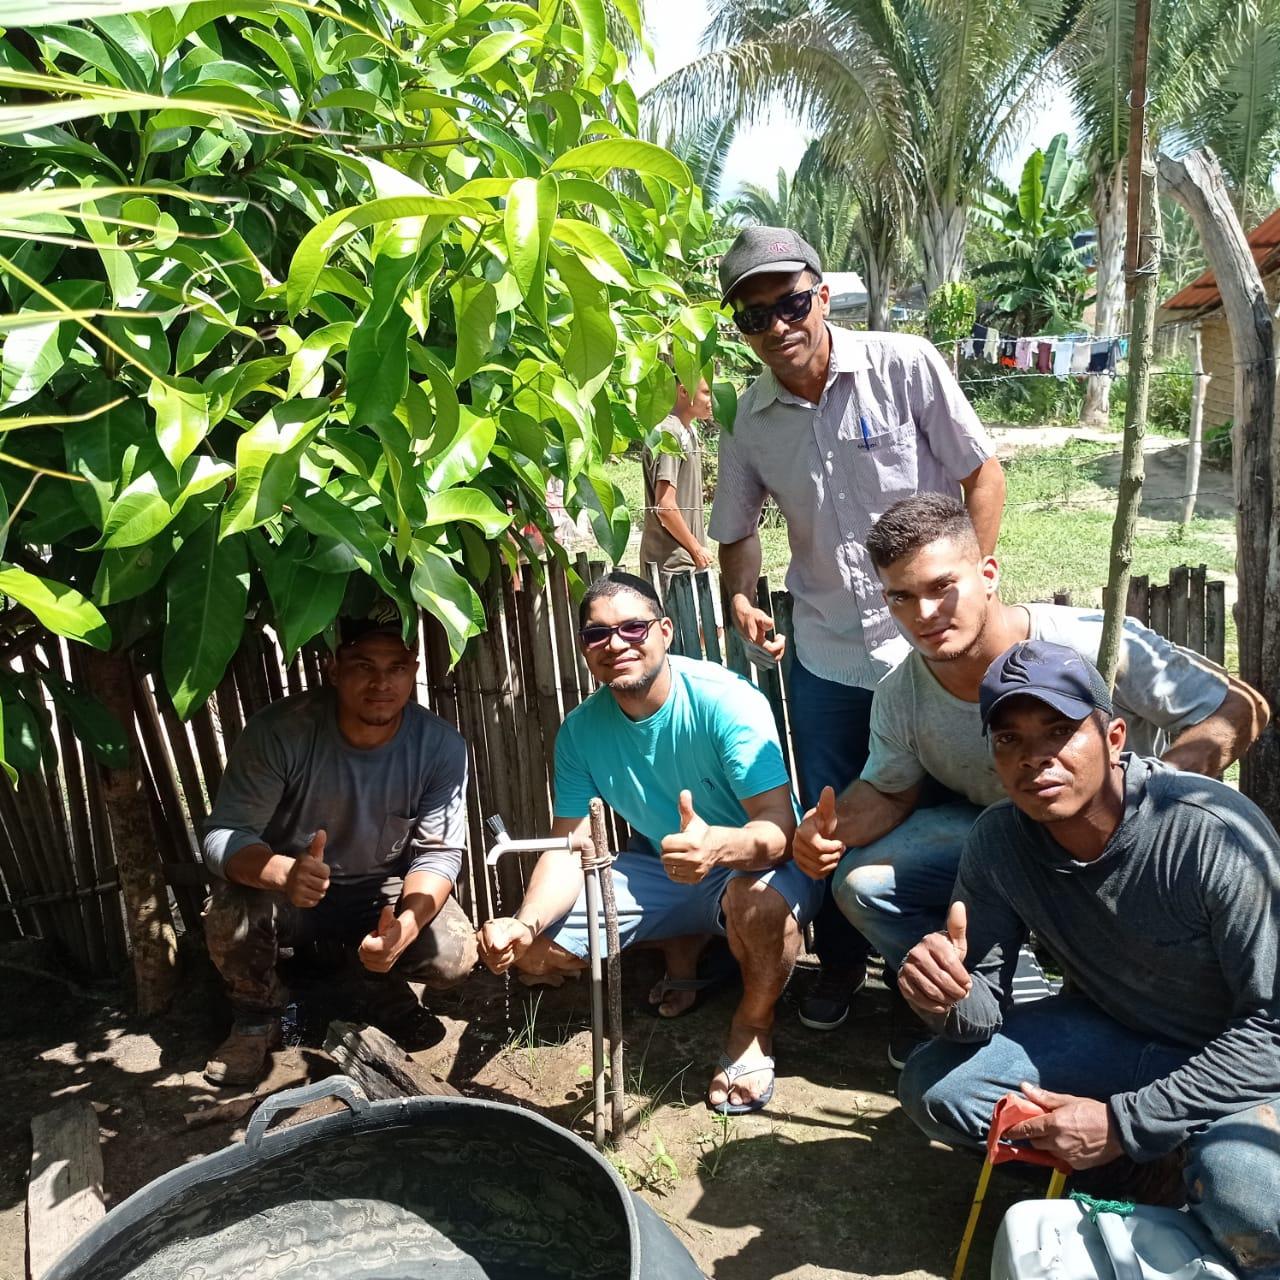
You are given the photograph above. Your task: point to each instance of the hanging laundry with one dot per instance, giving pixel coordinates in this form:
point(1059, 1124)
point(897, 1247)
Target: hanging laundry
point(1022, 354)
point(966, 349)
point(1062, 349)
point(1080, 354)
point(1008, 353)
point(1100, 356)
point(991, 348)
point(1044, 357)
point(1123, 345)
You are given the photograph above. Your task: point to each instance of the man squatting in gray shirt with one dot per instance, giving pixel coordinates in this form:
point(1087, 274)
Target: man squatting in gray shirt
point(342, 816)
point(1158, 892)
point(897, 858)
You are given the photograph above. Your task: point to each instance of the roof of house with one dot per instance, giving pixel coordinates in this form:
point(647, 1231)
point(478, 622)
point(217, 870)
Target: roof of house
point(1202, 293)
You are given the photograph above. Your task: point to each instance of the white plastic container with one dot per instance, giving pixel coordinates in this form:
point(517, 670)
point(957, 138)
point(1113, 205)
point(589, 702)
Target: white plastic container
point(1054, 1240)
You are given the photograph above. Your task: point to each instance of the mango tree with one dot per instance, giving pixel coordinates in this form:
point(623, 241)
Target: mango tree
point(308, 300)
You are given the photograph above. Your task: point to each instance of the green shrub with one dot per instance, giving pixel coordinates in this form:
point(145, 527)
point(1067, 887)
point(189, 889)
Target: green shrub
point(1168, 400)
point(1015, 397)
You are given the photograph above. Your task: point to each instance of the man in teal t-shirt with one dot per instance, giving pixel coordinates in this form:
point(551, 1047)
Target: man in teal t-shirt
point(688, 754)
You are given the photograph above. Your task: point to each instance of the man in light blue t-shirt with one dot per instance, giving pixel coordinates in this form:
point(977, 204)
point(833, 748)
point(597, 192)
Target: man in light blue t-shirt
point(688, 754)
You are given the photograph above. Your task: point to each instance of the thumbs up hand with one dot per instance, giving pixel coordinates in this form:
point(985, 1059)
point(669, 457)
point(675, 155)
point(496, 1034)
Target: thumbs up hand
point(380, 949)
point(689, 853)
point(816, 848)
point(308, 879)
point(933, 977)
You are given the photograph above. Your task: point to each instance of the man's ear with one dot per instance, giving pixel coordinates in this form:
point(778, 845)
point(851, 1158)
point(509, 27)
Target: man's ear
point(668, 629)
point(990, 571)
point(1117, 735)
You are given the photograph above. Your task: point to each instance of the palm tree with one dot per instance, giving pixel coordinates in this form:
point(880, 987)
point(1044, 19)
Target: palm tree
point(1191, 79)
point(918, 94)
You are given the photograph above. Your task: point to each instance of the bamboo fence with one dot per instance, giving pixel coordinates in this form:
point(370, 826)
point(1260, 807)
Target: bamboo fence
point(507, 697)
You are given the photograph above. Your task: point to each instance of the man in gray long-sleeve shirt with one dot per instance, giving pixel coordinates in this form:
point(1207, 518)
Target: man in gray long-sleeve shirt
point(1159, 893)
point(341, 816)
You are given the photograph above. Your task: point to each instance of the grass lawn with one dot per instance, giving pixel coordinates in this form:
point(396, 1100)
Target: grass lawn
point(1056, 534)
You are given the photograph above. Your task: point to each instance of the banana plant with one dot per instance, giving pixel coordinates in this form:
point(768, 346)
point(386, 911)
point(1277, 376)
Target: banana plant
point(305, 300)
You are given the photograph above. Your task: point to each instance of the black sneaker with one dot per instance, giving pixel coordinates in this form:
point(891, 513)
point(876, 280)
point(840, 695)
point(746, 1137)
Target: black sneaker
point(906, 1031)
point(826, 1005)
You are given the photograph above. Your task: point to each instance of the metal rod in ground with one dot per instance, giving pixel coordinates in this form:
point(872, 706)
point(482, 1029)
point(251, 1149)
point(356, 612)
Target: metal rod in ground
point(591, 881)
point(617, 1075)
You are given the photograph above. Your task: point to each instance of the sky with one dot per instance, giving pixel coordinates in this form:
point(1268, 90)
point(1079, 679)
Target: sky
point(757, 152)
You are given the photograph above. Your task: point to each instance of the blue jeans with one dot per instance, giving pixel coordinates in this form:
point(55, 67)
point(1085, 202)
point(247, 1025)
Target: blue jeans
point(898, 888)
point(831, 733)
point(1066, 1044)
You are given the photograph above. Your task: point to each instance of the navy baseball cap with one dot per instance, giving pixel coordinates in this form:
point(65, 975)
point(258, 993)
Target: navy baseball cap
point(1053, 673)
point(761, 250)
point(383, 619)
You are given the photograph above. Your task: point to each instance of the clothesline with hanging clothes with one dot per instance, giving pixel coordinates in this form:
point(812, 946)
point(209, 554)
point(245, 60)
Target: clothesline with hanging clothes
point(1067, 356)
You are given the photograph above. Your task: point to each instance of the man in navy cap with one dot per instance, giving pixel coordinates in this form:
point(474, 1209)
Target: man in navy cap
point(837, 427)
point(1158, 892)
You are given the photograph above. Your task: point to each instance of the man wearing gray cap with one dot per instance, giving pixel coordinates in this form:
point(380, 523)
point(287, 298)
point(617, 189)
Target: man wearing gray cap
point(1158, 892)
point(837, 427)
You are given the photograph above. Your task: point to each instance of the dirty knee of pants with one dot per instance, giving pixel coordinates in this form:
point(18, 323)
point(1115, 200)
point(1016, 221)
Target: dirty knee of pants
point(444, 953)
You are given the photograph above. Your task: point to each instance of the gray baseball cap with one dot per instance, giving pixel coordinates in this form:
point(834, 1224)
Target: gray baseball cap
point(760, 250)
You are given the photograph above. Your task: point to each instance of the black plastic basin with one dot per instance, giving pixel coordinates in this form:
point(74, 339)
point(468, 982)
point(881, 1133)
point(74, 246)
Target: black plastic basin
point(420, 1187)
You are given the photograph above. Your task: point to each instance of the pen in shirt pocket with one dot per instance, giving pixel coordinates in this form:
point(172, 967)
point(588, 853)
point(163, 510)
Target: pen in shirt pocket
point(866, 434)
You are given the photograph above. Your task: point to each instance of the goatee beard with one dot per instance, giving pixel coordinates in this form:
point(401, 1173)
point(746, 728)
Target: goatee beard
point(636, 684)
point(970, 649)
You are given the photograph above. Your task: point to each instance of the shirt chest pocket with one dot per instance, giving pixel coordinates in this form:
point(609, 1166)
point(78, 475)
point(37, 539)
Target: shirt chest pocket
point(879, 459)
point(394, 837)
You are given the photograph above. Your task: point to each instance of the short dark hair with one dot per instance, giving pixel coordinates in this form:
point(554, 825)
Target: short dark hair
point(912, 523)
point(611, 584)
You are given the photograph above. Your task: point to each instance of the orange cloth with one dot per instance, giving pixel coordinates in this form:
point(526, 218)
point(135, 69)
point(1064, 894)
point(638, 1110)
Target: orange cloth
point(1013, 1109)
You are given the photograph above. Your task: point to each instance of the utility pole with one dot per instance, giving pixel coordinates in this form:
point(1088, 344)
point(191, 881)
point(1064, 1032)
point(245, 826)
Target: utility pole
point(1142, 283)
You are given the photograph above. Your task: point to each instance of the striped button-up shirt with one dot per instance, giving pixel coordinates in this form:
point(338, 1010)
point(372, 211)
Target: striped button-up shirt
point(891, 422)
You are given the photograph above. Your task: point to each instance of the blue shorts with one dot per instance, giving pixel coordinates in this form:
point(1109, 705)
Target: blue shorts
point(652, 906)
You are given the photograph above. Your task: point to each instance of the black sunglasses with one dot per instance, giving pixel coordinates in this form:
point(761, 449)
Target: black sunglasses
point(633, 631)
point(792, 307)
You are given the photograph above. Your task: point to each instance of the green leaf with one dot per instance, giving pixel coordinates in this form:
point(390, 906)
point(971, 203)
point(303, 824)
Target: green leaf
point(724, 400)
point(320, 243)
point(92, 723)
point(475, 309)
point(21, 733)
point(627, 153)
point(182, 416)
point(494, 48)
point(378, 358)
point(445, 594)
point(588, 353)
point(470, 506)
point(466, 455)
point(600, 252)
point(35, 352)
point(267, 462)
point(207, 588)
point(591, 20)
point(305, 600)
point(527, 222)
point(655, 396)
point(61, 608)
point(322, 514)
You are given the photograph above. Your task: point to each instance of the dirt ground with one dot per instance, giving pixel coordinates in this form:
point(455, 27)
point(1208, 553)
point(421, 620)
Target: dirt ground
point(831, 1181)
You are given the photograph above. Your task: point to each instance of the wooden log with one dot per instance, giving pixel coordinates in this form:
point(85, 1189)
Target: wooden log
point(685, 614)
point(226, 709)
point(565, 631)
point(169, 818)
point(1215, 621)
point(64, 1194)
point(585, 680)
point(81, 840)
point(1195, 608)
point(707, 612)
point(538, 757)
point(537, 615)
point(1196, 181)
point(1179, 601)
point(379, 1065)
point(1160, 610)
point(134, 842)
point(1139, 602)
point(210, 754)
point(104, 859)
point(770, 678)
point(1195, 433)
